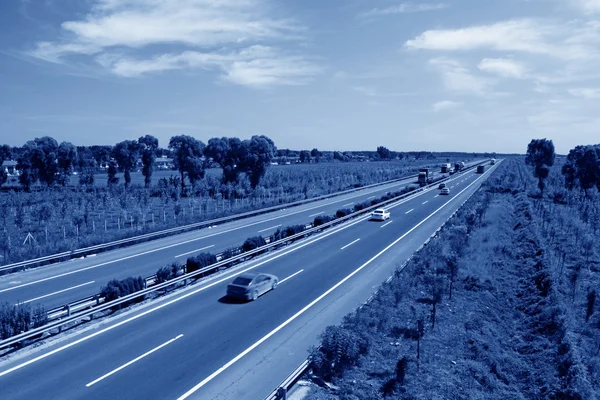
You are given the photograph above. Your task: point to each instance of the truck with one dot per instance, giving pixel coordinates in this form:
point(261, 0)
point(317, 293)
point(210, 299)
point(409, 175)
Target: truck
point(425, 175)
point(492, 161)
point(459, 166)
point(446, 168)
point(480, 169)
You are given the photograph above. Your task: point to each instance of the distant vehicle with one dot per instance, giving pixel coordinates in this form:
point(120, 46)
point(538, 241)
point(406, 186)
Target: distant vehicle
point(422, 179)
point(480, 169)
point(425, 175)
point(442, 185)
point(492, 161)
point(250, 285)
point(445, 191)
point(445, 168)
point(459, 166)
point(380, 214)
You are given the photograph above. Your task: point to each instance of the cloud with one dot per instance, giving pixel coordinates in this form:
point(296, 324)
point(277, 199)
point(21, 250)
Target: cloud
point(576, 40)
point(445, 105)
point(586, 93)
point(502, 67)
point(256, 66)
point(235, 36)
point(458, 78)
point(402, 8)
point(588, 6)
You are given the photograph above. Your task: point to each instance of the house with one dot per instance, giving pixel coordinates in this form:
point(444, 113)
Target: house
point(164, 163)
point(10, 167)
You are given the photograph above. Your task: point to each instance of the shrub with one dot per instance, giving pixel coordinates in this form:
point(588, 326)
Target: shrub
point(14, 319)
point(253, 243)
point(119, 288)
point(322, 219)
point(343, 212)
point(200, 261)
point(168, 272)
point(340, 349)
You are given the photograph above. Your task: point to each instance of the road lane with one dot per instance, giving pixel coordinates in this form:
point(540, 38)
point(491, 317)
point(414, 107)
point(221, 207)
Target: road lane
point(150, 256)
point(215, 329)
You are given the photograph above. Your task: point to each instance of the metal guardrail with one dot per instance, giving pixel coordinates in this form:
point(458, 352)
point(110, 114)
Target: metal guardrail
point(103, 306)
point(180, 229)
point(281, 392)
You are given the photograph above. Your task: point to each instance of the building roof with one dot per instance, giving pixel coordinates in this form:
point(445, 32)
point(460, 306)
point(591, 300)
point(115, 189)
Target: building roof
point(9, 163)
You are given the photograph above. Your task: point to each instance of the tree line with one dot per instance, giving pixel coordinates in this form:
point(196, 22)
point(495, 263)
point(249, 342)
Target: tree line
point(46, 161)
point(581, 170)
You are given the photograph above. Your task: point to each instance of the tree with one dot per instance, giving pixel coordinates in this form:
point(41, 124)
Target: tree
point(582, 168)
point(258, 153)
point(148, 146)
point(38, 161)
point(384, 153)
point(187, 157)
point(126, 154)
point(316, 154)
point(112, 174)
point(540, 155)
point(228, 153)
point(67, 155)
point(304, 156)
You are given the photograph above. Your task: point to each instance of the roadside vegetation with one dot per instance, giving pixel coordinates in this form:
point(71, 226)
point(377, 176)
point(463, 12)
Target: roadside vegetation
point(47, 209)
point(501, 304)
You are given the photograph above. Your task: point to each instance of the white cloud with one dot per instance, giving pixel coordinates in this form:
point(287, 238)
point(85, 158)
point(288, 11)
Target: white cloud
point(458, 78)
point(403, 8)
point(234, 36)
point(586, 93)
point(503, 67)
point(576, 40)
point(445, 105)
point(589, 6)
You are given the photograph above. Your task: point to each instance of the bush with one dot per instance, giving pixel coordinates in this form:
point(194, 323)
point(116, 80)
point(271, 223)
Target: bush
point(200, 261)
point(119, 288)
point(253, 243)
point(343, 212)
point(322, 219)
point(168, 272)
point(14, 319)
point(282, 233)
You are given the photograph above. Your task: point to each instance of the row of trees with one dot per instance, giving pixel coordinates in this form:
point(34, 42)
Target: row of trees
point(46, 161)
point(581, 169)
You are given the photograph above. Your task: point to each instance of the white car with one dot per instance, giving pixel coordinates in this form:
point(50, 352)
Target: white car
point(380, 214)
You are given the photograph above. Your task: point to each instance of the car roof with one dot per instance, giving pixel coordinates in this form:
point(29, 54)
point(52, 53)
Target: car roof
point(380, 209)
point(249, 275)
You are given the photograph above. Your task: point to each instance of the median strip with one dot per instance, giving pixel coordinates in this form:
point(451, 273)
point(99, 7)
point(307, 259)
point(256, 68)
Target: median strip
point(134, 360)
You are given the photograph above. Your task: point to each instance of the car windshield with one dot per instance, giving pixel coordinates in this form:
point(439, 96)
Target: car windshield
point(242, 281)
point(378, 212)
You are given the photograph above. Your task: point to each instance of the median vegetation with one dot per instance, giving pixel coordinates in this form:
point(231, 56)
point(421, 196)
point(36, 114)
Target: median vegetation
point(16, 319)
point(500, 304)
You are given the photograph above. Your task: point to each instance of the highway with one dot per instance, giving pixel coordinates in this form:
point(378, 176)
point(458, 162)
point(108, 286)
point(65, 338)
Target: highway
point(196, 343)
point(61, 283)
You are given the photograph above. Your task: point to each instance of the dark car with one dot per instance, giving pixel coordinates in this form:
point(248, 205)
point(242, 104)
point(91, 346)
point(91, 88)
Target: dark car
point(442, 185)
point(250, 285)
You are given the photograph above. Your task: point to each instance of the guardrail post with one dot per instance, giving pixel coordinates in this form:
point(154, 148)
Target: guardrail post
point(281, 393)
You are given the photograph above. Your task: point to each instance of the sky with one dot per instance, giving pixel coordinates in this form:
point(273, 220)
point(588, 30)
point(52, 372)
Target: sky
point(456, 75)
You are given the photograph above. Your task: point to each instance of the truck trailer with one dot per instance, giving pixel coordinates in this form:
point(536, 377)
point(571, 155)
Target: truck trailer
point(480, 169)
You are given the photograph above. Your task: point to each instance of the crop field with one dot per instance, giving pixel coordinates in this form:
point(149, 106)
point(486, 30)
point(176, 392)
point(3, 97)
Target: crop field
point(57, 219)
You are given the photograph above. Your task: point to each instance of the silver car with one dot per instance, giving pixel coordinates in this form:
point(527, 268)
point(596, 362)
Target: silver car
point(250, 285)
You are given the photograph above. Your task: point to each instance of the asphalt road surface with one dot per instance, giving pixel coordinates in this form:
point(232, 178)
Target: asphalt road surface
point(198, 344)
point(61, 283)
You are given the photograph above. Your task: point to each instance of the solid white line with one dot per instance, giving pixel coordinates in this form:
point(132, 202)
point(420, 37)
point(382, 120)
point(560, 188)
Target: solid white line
point(409, 211)
point(426, 201)
point(291, 276)
point(60, 291)
point(195, 251)
point(350, 244)
point(372, 197)
point(349, 204)
point(184, 296)
point(268, 229)
point(314, 215)
point(386, 224)
point(311, 304)
point(134, 360)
